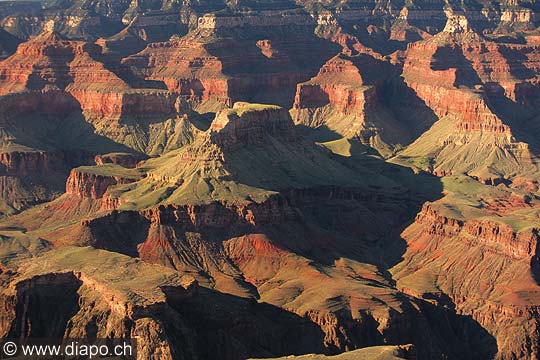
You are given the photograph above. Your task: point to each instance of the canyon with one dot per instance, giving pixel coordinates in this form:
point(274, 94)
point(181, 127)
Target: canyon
point(272, 179)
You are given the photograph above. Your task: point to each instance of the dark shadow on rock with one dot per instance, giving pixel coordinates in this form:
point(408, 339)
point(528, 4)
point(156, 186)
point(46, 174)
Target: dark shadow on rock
point(271, 79)
point(238, 328)
point(516, 59)
point(407, 107)
point(449, 57)
point(320, 134)
point(464, 338)
point(520, 116)
point(44, 306)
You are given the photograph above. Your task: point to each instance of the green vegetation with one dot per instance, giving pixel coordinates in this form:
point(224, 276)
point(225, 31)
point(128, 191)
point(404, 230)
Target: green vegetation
point(240, 108)
point(111, 170)
point(467, 199)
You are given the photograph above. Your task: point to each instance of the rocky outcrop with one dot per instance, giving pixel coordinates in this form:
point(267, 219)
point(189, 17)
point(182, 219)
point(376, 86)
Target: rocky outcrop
point(345, 98)
point(117, 105)
point(31, 177)
point(221, 215)
point(210, 67)
point(340, 82)
point(472, 85)
point(123, 159)
point(93, 184)
point(85, 304)
point(48, 62)
point(485, 267)
point(30, 163)
point(246, 124)
point(290, 239)
point(438, 83)
point(495, 236)
point(158, 63)
point(114, 296)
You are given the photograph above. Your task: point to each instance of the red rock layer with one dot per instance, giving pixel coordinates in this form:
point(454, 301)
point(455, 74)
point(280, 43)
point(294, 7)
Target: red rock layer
point(48, 62)
point(185, 67)
point(90, 185)
point(488, 270)
point(116, 104)
point(495, 236)
point(513, 67)
point(339, 83)
point(221, 70)
point(437, 84)
point(345, 96)
point(214, 215)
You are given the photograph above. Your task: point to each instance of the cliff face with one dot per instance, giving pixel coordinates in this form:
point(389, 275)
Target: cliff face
point(45, 63)
point(249, 197)
point(30, 177)
point(157, 62)
point(485, 267)
point(122, 159)
point(473, 87)
point(93, 186)
point(86, 305)
point(48, 62)
point(98, 105)
point(201, 240)
point(344, 98)
point(241, 238)
point(246, 124)
point(216, 65)
point(73, 81)
point(28, 163)
point(169, 314)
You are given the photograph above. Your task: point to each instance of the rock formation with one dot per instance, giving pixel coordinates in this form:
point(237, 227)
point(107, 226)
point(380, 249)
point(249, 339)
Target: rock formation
point(468, 83)
point(498, 288)
point(344, 98)
point(269, 179)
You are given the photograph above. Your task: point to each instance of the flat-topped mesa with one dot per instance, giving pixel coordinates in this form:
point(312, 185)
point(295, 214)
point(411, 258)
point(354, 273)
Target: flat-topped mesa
point(436, 73)
point(484, 266)
point(93, 181)
point(346, 83)
point(249, 123)
point(40, 64)
point(186, 67)
point(264, 18)
point(49, 62)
